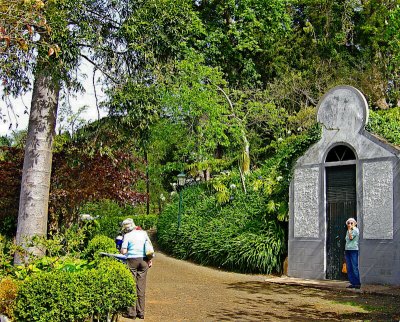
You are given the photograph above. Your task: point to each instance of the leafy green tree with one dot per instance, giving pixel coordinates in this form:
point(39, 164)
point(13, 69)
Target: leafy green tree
point(243, 38)
point(379, 43)
point(192, 98)
point(50, 50)
point(152, 34)
point(23, 28)
point(339, 42)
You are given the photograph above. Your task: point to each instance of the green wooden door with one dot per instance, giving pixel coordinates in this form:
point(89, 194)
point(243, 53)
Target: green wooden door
point(341, 204)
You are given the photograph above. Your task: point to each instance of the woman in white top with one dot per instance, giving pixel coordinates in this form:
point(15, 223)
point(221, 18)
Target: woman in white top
point(134, 247)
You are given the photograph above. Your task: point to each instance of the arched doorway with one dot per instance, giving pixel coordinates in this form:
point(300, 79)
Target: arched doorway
point(341, 203)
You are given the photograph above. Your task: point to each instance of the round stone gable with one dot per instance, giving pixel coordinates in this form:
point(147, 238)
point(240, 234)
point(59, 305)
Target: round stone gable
point(343, 108)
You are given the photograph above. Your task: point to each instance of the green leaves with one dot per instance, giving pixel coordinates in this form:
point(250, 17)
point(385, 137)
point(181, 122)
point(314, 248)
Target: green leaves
point(192, 98)
point(222, 194)
point(232, 236)
point(242, 38)
point(385, 123)
point(160, 29)
point(75, 295)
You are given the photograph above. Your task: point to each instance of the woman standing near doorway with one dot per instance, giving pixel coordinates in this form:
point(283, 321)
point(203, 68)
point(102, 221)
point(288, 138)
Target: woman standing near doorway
point(351, 252)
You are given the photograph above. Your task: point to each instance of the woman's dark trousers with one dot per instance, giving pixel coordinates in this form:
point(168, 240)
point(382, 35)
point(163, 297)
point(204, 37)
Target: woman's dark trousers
point(138, 267)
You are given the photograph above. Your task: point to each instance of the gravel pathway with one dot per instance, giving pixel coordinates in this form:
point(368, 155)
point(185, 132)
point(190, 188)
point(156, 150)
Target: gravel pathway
point(182, 291)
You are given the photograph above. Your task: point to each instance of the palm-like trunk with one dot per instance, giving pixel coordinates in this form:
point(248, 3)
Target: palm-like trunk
point(245, 154)
point(35, 185)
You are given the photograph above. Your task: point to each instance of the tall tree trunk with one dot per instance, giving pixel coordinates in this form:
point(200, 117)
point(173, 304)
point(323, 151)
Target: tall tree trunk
point(35, 184)
point(147, 181)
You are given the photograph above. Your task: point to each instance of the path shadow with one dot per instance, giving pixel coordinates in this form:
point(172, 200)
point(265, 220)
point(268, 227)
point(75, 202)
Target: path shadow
point(263, 301)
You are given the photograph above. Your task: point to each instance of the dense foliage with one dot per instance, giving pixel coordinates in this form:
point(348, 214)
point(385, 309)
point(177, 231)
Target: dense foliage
point(109, 216)
point(233, 236)
point(10, 178)
point(8, 294)
point(79, 176)
point(386, 124)
point(72, 282)
point(98, 244)
point(227, 225)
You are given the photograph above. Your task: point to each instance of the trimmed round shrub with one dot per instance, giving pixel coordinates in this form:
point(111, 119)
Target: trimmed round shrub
point(61, 296)
point(116, 285)
point(98, 244)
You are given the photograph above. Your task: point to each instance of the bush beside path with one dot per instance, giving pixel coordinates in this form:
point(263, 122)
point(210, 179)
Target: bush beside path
point(181, 291)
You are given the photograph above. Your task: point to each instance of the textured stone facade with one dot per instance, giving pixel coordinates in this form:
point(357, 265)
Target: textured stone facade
point(306, 216)
point(378, 200)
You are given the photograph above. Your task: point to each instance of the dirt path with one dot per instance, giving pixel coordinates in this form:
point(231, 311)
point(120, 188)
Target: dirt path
point(181, 291)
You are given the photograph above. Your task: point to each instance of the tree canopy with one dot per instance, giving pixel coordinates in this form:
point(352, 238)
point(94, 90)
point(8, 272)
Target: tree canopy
point(204, 86)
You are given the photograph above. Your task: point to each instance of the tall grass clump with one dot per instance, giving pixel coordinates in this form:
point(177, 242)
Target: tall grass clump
point(230, 236)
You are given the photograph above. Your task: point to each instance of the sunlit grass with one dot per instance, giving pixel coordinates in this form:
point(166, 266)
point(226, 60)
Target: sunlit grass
point(362, 306)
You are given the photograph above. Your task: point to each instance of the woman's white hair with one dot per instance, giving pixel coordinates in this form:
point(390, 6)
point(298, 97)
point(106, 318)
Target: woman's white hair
point(128, 225)
point(351, 220)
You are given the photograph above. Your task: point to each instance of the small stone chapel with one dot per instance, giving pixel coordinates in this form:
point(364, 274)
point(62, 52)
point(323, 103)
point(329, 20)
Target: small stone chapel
point(348, 173)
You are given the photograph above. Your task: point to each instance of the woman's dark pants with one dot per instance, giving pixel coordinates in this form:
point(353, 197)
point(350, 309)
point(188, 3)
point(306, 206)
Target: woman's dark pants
point(138, 267)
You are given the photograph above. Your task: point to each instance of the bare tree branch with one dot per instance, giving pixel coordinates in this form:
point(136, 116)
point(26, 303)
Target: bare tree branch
point(99, 68)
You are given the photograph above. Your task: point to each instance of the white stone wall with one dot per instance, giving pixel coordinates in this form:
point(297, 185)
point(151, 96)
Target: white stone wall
point(378, 200)
point(306, 203)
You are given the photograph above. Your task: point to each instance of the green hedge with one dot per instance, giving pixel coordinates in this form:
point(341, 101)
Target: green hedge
point(62, 296)
point(233, 236)
point(110, 215)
